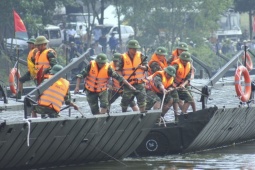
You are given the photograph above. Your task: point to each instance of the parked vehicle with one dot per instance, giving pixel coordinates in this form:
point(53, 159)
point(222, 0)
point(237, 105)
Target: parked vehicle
point(53, 34)
point(126, 31)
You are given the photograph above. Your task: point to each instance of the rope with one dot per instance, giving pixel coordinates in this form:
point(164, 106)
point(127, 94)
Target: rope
point(28, 132)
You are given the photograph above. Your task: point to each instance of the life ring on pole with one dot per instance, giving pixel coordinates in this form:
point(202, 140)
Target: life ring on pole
point(244, 96)
point(13, 76)
point(249, 64)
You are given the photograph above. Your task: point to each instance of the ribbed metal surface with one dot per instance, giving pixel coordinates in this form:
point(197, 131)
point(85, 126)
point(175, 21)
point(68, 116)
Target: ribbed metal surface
point(72, 141)
point(227, 126)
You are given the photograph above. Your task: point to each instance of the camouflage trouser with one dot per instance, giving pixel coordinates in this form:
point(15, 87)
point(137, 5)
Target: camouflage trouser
point(128, 96)
point(44, 110)
point(25, 77)
point(185, 95)
point(153, 97)
point(116, 96)
point(92, 98)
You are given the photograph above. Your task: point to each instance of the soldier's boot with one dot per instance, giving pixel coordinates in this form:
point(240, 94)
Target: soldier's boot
point(19, 95)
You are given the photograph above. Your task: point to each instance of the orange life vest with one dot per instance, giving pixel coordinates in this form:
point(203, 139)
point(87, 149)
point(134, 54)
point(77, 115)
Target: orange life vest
point(182, 71)
point(166, 82)
point(54, 96)
point(96, 81)
point(41, 59)
point(116, 84)
point(129, 67)
point(154, 58)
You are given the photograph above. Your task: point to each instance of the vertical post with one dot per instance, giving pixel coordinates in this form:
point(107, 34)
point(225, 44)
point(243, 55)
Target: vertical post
point(245, 53)
point(17, 73)
point(66, 52)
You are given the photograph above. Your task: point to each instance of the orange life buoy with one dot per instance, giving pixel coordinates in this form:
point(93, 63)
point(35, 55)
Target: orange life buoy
point(244, 96)
point(13, 76)
point(249, 64)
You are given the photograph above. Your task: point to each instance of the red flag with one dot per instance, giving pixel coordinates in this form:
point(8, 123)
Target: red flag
point(18, 23)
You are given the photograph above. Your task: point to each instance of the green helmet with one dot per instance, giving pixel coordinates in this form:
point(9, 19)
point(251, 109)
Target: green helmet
point(101, 58)
point(186, 56)
point(56, 68)
point(116, 56)
point(170, 70)
point(161, 51)
point(31, 41)
point(182, 46)
point(41, 40)
point(133, 44)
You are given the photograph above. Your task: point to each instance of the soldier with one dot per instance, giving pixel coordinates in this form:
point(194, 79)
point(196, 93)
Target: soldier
point(183, 73)
point(161, 82)
point(158, 60)
point(114, 86)
point(50, 101)
point(133, 66)
point(30, 74)
point(45, 58)
point(97, 75)
point(182, 46)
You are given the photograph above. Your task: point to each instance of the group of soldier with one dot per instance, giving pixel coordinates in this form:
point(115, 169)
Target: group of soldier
point(130, 75)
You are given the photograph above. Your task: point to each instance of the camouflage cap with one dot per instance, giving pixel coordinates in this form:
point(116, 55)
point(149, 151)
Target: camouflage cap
point(161, 51)
point(133, 44)
point(185, 56)
point(31, 41)
point(41, 40)
point(56, 68)
point(101, 58)
point(170, 70)
point(116, 57)
point(182, 46)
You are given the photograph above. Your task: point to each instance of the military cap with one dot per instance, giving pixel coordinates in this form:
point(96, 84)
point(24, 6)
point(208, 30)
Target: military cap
point(161, 51)
point(41, 40)
point(56, 68)
point(185, 56)
point(31, 41)
point(182, 46)
point(170, 70)
point(116, 56)
point(133, 44)
point(101, 58)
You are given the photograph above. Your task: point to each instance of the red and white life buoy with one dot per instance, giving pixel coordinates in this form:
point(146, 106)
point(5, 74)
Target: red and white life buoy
point(13, 76)
point(249, 64)
point(244, 96)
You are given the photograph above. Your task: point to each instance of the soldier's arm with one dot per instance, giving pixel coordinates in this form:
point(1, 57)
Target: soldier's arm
point(154, 66)
point(144, 66)
point(52, 60)
point(119, 78)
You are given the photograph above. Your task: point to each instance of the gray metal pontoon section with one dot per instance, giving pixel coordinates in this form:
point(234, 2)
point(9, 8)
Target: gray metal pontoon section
point(226, 127)
point(62, 141)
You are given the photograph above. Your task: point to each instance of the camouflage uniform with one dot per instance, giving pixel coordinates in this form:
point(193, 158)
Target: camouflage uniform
point(184, 94)
point(140, 93)
point(92, 97)
point(153, 97)
point(44, 110)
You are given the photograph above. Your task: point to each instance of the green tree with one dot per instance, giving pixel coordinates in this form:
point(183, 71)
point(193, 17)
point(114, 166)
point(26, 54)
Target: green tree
point(246, 6)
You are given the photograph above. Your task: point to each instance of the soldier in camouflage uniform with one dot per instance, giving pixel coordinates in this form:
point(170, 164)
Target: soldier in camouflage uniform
point(183, 73)
point(131, 60)
point(158, 60)
point(49, 109)
point(97, 75)
point(161, 82)
point(114, 85)
point(181, 47)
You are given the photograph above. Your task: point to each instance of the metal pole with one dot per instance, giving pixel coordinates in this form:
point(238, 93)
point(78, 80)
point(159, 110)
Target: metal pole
point(17, 73)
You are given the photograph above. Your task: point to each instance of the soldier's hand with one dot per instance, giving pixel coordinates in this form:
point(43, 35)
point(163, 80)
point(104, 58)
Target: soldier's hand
point(75, 107)
point(76, 90)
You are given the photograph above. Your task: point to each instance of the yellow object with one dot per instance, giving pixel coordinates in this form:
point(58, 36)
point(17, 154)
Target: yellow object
point(31, 68)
